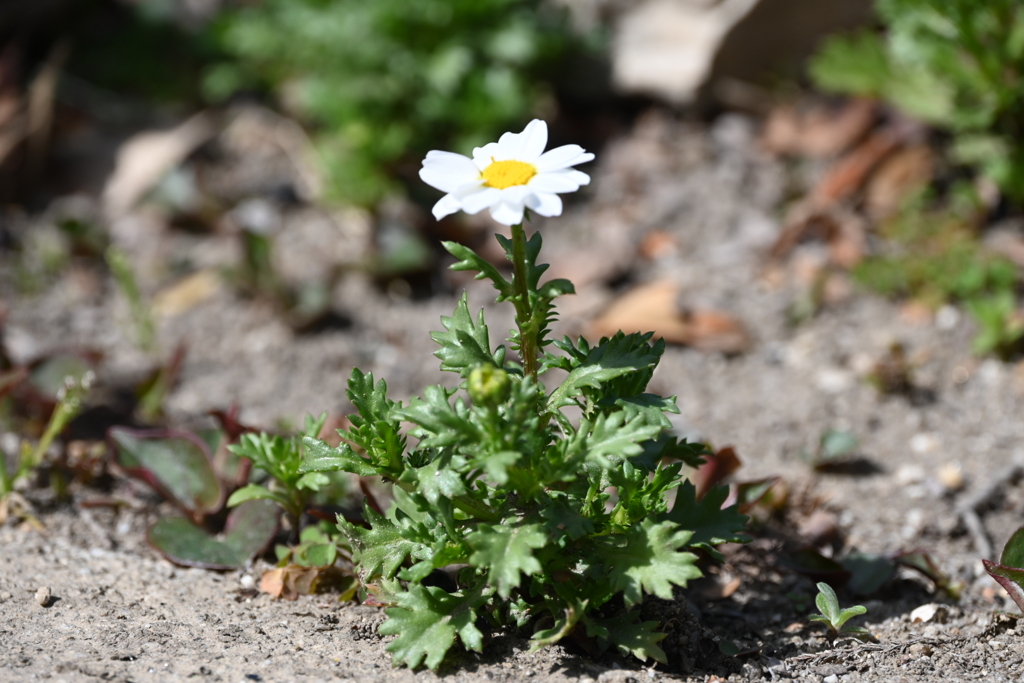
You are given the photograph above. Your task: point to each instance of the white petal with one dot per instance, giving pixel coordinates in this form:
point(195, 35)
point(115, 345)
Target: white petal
point(448, 171)
point(483, 156)
point(554, 182)
point(516, 194)
point(447, 205)
point(480, 200)
point(562, 157)
point(545, 203)
point(507, 214)
point(526, 146)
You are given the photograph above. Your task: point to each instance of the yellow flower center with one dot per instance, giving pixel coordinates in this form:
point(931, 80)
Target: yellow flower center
point(502, 174)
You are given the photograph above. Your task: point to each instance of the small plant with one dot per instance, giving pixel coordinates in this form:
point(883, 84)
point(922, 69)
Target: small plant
point(1009, 571)
point(955, 64)
point(280, 457)
point(543, 506)
point(834, 617)
point(934, 255)
point(70, 399)
point(141, 312)
point(181, 467)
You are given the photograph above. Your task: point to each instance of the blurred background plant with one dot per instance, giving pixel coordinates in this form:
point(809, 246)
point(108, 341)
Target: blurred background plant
point(955, 64)
point(385, 81)
point(932, 253)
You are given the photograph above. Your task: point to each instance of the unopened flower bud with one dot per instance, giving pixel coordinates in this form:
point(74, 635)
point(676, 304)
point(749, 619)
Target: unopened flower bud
point(489, 385)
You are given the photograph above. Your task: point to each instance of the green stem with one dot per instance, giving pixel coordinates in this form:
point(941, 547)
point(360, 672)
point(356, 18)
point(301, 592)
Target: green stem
point(524, 317)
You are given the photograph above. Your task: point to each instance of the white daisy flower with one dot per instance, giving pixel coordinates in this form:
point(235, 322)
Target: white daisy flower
point(507, 176)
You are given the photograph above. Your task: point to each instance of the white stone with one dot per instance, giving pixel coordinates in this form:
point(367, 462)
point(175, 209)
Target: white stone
point(947, 318)
point(672, 48)
point(923, 443)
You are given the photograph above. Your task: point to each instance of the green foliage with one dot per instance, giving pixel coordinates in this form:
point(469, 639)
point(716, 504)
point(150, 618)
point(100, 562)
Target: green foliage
point(70, 400)
point(281, 458)
point(934, 255)
point(834, 617)
point(956, 64)
point(142, 315)
point(317, 547)
point(533, 513)
point(1009, 571)
point(381, 79)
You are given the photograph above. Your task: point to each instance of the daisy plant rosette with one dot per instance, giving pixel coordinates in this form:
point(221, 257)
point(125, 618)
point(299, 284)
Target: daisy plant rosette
point(503, 514)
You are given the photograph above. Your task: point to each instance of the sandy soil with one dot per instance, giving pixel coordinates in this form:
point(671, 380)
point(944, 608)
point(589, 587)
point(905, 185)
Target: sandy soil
point(122, 613)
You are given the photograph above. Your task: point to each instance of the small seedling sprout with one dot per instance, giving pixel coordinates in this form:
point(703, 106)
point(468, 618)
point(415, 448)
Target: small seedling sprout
point(834, 617)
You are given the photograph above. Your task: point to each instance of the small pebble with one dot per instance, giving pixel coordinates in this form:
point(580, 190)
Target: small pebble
point(951, 476)
point(247, 582)
point(830, 679)
point(5, 596)
point(43, 596)
point(947, 318)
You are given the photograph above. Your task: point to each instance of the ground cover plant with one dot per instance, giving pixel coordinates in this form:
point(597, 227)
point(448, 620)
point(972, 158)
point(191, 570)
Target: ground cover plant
point(833, 616)
point(934, 255)
point(551, 506)
point(955, 64)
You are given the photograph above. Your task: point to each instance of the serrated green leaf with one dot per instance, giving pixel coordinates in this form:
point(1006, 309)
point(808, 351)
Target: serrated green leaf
point(312, 481)
point(638, 639)
point(610, 436)
point(562, 517)
point(495, 465)
point(426, 621)
point(438, 478)
point(440, 424)
point(465, 344)
point(614, 357)
point(556, 288)
point(573, 609)
point(319, 457)
point(469, 260)
point(648, 558)
point(381, 549)
point(506, 551)
point(710, 524)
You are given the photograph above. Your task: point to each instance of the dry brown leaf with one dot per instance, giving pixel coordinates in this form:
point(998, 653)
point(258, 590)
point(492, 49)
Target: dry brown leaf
point(289, 582)
point(186, 293)
point(848, 175)
point(652, 307)
point(658, 244)
point(145, 158)
point(843, 231)
point(272, 582)
point(903, 173)
point(818, 131)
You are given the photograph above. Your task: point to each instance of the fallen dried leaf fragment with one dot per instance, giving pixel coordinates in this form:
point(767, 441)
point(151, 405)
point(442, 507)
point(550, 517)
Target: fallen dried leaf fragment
point(897, 178)
point(818, 131)
point(293, 580)
point(850, 173)
point(186, 293)
point(652, 307)
point(146, 157)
